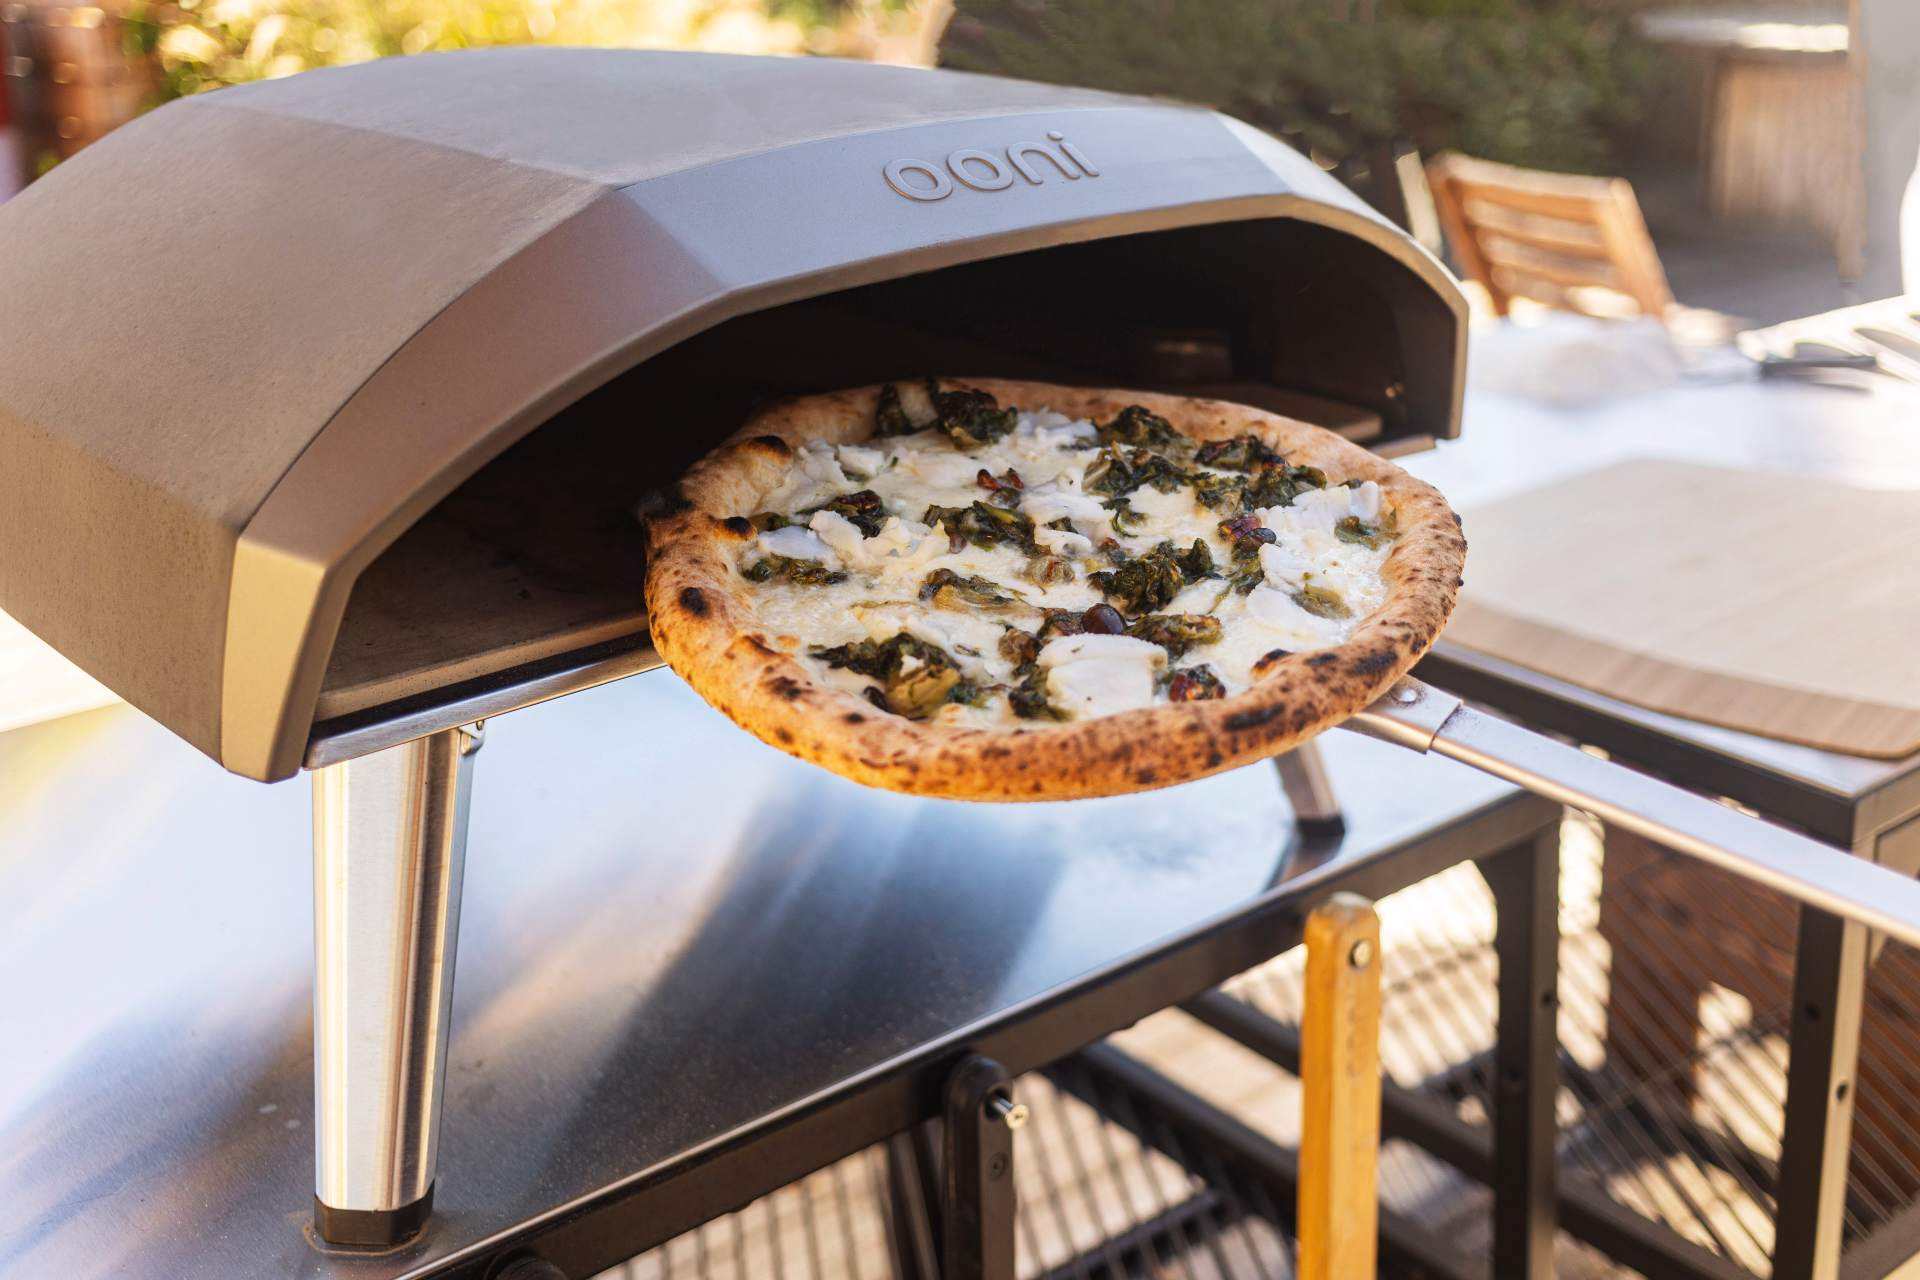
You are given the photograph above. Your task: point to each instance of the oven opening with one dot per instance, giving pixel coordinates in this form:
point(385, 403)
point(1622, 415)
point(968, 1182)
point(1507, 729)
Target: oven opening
point(538, 555)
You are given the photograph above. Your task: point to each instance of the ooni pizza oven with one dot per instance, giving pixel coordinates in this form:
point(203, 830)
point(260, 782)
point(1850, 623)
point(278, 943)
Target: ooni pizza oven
point(327, 404)
point(327, 400)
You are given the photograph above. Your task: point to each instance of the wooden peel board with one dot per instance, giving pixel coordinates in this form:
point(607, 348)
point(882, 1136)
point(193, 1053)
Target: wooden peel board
point(1762, 602)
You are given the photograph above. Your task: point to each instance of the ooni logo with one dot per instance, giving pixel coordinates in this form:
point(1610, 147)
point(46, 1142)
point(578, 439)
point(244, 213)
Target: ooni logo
point(986, 171)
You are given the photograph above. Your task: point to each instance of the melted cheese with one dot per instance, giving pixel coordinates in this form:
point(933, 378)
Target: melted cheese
point(1093, 675)
point(1098, 675)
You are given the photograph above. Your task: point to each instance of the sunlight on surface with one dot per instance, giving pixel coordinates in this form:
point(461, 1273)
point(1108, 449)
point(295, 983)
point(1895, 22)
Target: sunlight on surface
point(38, 684)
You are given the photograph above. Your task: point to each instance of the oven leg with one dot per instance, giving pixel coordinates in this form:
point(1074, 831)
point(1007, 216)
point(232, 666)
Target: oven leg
point(389, 843)
point(1303, 776)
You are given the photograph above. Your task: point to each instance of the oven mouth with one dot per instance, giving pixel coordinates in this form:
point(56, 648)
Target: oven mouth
point(534, 566)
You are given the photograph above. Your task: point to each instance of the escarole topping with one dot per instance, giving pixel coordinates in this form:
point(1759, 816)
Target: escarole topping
point(992, 565)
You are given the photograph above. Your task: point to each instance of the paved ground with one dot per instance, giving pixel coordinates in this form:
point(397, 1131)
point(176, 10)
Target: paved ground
point(1758, 275)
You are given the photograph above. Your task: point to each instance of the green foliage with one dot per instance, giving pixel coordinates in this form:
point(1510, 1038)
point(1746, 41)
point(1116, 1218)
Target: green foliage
point(197, 45)
point(1543, 83)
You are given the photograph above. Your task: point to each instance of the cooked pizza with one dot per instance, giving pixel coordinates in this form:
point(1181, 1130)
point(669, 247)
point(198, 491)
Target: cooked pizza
point(1000, 590)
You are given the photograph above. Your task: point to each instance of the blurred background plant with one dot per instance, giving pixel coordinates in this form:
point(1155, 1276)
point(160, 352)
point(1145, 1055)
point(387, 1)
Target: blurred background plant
point(1724, 114)
point(197, 45)
point(1545, 83)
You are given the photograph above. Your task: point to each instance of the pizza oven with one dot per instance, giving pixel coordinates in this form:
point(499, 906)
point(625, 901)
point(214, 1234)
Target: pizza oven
point(331, 397)
point(330, 400)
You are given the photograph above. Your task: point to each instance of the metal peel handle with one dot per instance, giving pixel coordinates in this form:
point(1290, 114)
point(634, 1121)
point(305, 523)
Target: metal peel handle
point(1423, 718)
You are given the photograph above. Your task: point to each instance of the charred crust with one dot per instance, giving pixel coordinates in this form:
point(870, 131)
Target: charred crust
point(694, 602)
point(786, 738)
point(786, 687)
point(1374, 663)
point(1324, 658)
point(739, 526)
point(1241, 721)
point(761, 646)
point(1268, 660)
point(1215, 759)
point(854, 717)
point(772, 444)
point(1146, 777)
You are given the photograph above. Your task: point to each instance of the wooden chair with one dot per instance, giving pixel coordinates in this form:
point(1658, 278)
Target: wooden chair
point(1570, 242)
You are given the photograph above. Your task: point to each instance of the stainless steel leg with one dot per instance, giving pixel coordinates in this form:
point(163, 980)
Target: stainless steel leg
point(389, 844)
point(1303, 776)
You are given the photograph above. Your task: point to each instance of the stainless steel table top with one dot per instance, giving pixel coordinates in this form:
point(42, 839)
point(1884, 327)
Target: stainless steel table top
point(669, 932)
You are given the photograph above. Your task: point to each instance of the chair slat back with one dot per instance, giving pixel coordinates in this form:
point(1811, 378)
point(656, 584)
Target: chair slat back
point(1554, 238)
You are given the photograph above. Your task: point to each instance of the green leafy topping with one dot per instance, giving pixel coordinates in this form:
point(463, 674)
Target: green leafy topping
point(1219, 493)
point(984, 526)
point(1321, 603)
point(1354, 529)
point(1194, 684)
point(917, 678)
point(1117, 474)
point(1061, 622)
point(1108, 473)
point(1149, 581)
point(1176, 632)
point(1140, 427)
point(807, 573)
point(882, 659)
point(1126, 521)
point(1242, 453)
point(1028, 694)
point(1196, 562)
point(1271, 481)
point(1247, 535)
point(890, 416)
point(972, 419)
point(1277, 485)
point(967, 694)
point(768, 521)
point(1029, 697)
point(863, 510)
point(1245, 575)
point(949, 590)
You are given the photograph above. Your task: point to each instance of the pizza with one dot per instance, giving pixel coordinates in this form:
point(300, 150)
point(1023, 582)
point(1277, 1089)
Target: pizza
point(997, 590)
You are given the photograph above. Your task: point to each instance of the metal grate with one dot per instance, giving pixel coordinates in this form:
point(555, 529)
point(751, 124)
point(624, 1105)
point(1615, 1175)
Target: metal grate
point(1688, 1138)
point(1094, 1202)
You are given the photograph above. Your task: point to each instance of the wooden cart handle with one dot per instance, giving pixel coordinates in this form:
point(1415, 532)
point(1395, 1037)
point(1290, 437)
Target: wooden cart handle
point(1340, 1091)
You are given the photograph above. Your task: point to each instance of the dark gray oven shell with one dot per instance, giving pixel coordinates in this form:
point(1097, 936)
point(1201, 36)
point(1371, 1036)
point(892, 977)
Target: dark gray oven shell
point(275, 353)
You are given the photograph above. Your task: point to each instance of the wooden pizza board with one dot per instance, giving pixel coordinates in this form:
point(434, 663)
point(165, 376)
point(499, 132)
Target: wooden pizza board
point(1763, 602)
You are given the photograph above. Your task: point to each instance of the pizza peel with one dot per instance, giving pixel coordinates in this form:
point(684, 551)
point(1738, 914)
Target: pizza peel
point(1422, 718)
point(1409, 713)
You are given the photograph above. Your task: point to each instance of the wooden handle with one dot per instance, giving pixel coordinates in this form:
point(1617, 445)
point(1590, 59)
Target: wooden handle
point(1340, 1083)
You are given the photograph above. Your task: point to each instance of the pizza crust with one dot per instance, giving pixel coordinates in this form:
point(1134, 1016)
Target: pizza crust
point(703, 625)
